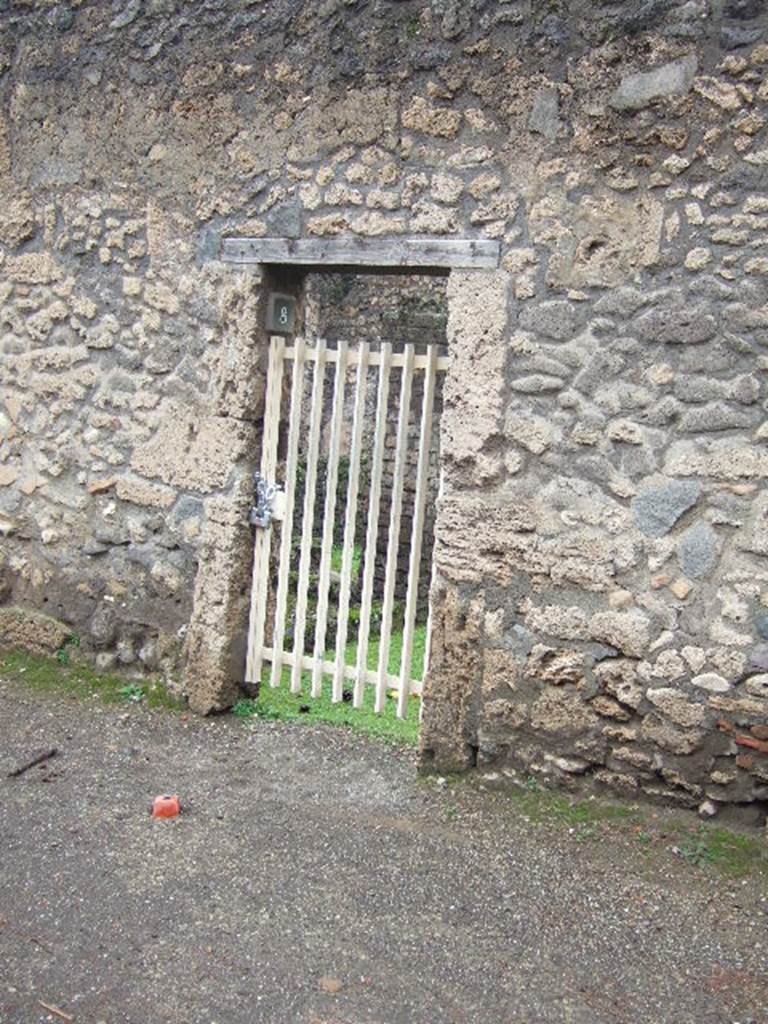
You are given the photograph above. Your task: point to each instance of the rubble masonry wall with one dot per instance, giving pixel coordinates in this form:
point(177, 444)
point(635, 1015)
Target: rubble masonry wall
point(601, 591)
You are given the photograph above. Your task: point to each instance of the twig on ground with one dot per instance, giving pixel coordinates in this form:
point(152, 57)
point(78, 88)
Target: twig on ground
point(46, 755)
point(55, 1010)
point(25, 937)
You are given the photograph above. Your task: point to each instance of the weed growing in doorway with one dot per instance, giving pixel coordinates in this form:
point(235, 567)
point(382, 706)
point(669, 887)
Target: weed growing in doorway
point(245, 708)
point(132, 692)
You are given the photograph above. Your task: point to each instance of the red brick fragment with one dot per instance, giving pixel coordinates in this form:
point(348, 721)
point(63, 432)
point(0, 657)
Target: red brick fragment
point(750, 741)
point(168, 806)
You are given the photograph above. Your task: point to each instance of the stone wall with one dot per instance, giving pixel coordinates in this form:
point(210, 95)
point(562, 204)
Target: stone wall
point(601, 597)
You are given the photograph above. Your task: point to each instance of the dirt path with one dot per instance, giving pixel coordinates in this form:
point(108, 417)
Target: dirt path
point(310, 852)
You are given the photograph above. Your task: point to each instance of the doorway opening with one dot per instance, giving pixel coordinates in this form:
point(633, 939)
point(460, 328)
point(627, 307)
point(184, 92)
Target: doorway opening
point(349, 481)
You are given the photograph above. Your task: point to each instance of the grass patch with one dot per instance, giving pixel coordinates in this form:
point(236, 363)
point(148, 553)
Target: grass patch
point(279, 704)
point(418, 653)
point(337, 557)
point(77, 679)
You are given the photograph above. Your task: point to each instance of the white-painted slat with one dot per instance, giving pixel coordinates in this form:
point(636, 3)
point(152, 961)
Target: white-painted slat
point(308, 518)
point(263, 539)
point(329, 667)
point(294, 424)
point(395, 515)
point(350, 518)
point(420, 504)
point(396, 359)
point(329, 518)
point(363, 635)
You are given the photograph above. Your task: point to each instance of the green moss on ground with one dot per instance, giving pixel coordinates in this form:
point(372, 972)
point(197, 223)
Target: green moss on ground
point(658, 833)
point(77, 679)
point(542, 805)
point(702, 845)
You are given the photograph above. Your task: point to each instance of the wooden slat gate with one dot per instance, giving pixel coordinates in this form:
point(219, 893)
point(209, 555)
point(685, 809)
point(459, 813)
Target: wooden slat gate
point(296, 443)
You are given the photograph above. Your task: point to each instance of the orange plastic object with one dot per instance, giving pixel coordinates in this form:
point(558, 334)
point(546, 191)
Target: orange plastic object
point(166, 807)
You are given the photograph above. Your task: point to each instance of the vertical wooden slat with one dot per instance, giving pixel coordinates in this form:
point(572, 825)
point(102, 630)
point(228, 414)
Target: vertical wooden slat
point(329, 517)
point(373, 522)
point(294, 424)
point(350, 519)
point(420, 504)
point(263, 538)
point(393, 539)
point(308, 518)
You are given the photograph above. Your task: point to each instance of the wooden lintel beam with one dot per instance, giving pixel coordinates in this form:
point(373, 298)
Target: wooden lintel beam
point(452, 253)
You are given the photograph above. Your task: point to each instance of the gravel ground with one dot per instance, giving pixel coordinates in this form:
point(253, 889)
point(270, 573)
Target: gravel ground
point(308, 854)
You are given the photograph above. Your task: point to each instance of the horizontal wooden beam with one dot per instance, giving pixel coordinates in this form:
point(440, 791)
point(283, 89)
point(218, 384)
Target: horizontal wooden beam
point(331, 355)
point(329, 668)
point(451, 253)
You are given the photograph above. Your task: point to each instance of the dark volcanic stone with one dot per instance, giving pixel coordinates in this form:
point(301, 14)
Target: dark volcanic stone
point(697, 550)
point(658, 507)
point(744, 10)
point(734, 36)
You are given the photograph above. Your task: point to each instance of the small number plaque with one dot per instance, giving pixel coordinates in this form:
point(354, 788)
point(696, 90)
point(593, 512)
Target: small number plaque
point(281, 313)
